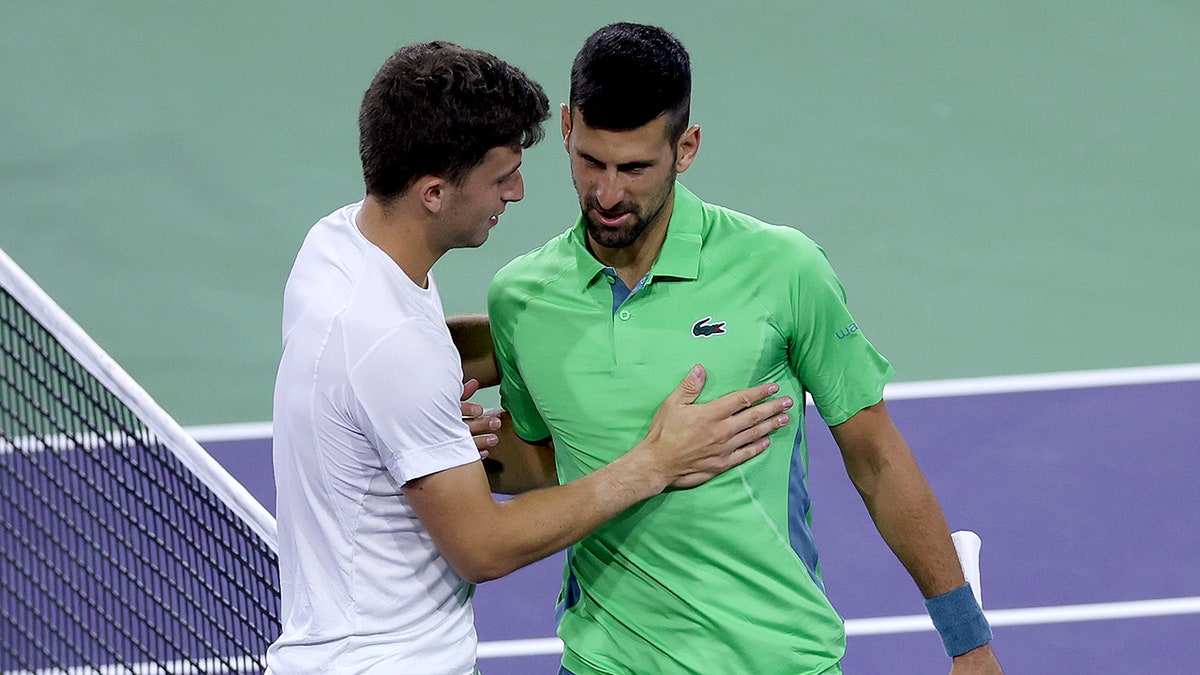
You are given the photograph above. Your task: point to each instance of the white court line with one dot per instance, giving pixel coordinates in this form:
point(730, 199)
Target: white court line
point(240, 664)
point(887, 625)
point(1034, 616)
point(63, 442)
point(1079, 379)
point(531, 647)
point(899, 391)
point(917, 623)
point(971, 386)
point(248, 431)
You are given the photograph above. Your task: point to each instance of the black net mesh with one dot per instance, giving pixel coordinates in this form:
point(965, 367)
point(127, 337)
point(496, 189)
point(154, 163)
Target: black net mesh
point(114, 557)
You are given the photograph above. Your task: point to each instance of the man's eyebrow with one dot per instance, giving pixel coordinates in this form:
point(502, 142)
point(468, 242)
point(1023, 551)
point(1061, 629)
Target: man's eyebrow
point(627, 166)
point(512, 170)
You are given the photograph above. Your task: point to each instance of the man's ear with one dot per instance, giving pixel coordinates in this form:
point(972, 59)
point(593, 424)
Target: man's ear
point(686, 148)
point(430, 191)
point(566, 122)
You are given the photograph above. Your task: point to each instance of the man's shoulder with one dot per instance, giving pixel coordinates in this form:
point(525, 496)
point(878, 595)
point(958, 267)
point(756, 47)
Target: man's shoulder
point(539, 266)
point(732, 233)
point(337, 223)
point(332, 243)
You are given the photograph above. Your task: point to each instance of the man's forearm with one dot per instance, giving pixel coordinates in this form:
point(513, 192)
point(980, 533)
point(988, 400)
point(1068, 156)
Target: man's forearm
point(686, 444)
point(911, 521)
point(484, 539)
point(514, 465)
point(899, 499)
point(472, 337)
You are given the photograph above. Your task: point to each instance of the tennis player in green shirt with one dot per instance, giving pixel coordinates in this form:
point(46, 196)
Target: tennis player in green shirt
point(589, 333)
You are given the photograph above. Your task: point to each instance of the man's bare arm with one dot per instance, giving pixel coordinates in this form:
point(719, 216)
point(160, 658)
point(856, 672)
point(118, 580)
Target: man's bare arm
point(687, 444)
point(515, 465)
point(905, 511)
point(472, 335)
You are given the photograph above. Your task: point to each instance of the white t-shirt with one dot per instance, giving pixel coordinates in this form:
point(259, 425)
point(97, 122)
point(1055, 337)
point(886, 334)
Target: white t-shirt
point(367, 398)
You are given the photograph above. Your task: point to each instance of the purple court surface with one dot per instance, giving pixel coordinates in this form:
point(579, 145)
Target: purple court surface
point(1087, 497)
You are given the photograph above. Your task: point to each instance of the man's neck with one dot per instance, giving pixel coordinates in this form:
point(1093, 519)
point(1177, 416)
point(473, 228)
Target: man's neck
point(400, 235)
point(633, 262)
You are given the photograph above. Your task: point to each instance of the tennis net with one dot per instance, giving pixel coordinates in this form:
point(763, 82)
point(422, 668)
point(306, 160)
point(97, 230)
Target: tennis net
point(124, 547)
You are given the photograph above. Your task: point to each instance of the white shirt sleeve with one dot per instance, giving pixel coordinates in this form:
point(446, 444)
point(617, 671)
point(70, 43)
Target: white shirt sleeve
point(407, 388)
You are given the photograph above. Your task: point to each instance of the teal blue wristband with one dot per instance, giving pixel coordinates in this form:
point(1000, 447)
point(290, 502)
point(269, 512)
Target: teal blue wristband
point(959, 620)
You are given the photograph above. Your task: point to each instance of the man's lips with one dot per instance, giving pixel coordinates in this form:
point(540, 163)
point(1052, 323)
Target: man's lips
point(614, 220)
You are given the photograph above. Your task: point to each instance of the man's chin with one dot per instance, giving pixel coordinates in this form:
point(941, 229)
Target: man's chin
point(614, 237)
point(476, 242)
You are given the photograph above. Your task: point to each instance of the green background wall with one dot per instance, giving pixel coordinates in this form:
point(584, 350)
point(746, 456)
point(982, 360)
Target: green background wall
point(1004, 187)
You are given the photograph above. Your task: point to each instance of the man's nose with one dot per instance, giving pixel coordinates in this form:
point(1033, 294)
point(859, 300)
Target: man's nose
point(608, 193)
point(517, 192)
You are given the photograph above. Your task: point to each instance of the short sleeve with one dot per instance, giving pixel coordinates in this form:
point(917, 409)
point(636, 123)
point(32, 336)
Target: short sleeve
point(514, 395)
point(407, 388)
point(829, 352)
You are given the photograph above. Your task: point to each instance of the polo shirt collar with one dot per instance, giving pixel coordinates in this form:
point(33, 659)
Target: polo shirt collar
point(680, 254)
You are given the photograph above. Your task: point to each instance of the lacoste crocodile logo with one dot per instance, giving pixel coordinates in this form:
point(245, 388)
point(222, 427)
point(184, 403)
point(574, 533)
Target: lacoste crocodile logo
point(704, 329)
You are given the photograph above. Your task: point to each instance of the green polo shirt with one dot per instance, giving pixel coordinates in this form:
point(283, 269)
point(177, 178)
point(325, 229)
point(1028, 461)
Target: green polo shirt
point(722, 578)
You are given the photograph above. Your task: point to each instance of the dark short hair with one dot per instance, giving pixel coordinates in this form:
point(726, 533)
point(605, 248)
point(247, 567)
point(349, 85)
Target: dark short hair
point(436, 108)
point(627, 74)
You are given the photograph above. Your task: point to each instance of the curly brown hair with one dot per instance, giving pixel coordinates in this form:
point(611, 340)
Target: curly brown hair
point(436, 108)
